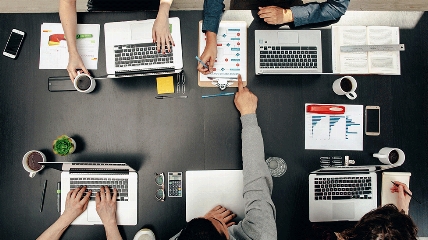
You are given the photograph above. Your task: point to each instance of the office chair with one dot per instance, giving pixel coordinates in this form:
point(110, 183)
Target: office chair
point(122, 5)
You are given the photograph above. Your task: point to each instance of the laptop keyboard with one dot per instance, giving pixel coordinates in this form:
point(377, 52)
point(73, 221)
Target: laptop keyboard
point(288, 57)
point(140, 55)
point(338, 188)
point(94, 184)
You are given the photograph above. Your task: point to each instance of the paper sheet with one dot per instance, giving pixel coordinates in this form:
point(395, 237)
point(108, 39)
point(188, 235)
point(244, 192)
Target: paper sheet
point(387, 196)
point(53, 45)
point(231, 51)
point(335, 131)
point(206, 189)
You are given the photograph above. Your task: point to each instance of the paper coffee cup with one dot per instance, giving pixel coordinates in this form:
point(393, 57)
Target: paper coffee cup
point(345, 86)
point(84, 83)
point(31, 160)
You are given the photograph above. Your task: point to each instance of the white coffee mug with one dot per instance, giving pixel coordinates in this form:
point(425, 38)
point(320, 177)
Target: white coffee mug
point(27, 163)
point(384, 156)
point(84, 83)
point(345, 86)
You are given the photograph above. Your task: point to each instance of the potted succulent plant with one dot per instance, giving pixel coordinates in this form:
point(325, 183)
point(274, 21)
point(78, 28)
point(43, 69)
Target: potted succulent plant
point(63, 145)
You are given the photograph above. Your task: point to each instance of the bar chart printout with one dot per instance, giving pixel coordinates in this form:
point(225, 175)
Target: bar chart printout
point(335, 131)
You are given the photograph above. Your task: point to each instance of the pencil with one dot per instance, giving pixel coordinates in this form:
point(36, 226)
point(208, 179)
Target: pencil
point(406, 192)
point(219, 94)
point(43, 195)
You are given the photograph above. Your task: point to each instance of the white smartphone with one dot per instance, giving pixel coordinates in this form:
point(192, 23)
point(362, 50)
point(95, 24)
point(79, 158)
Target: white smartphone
point(14, 43)
point(372, 120)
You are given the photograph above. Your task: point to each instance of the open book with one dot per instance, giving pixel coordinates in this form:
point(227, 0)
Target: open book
point(372, 62)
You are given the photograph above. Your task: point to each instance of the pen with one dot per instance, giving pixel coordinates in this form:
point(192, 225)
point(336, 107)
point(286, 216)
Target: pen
point(164, 96)
point(203, 64)
point(219, 94)
point(406, 192)
point(43, 195)
point(58, 196)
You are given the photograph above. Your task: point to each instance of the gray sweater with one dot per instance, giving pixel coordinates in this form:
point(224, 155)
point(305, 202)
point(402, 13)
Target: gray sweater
point(259, 221)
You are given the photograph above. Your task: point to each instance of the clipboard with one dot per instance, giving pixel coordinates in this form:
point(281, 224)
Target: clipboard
point(231, 54)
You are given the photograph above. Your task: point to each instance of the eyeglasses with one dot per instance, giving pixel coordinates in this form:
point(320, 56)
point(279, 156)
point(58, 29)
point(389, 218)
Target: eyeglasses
point(160, 181)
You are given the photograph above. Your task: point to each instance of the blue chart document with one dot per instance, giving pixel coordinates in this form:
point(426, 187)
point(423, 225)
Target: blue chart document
point(334, 130)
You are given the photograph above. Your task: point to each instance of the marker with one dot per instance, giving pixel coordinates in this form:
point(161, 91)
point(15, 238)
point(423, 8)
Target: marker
point(58, 196)
point(200, 61)
point(219, 94)
point(43, 195)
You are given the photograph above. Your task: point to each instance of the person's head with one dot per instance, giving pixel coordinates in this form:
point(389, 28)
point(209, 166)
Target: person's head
point(384, 223)
point(204, 229)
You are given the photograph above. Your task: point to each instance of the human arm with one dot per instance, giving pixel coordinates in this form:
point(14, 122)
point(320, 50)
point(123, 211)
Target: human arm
point(307, 14)
point(74, 206)
point(259, 220)
point(213, 9)
point(161, 33)
point(106, 208)
point(68, 16)
point(403, 199)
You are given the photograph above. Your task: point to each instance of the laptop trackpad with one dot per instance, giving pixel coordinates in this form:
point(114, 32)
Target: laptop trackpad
point(288, 37)
point(92, 212)
point(343, 211)
point(141, 31)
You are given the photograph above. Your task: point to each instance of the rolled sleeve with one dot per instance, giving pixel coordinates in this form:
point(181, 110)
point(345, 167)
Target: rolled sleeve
point(213, 10)
point(319, 12)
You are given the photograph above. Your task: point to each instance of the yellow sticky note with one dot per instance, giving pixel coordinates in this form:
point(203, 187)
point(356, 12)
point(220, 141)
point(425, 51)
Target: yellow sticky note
point(165, 84)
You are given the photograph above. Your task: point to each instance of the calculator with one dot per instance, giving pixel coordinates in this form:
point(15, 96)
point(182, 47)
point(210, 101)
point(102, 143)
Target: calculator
point(175, 181)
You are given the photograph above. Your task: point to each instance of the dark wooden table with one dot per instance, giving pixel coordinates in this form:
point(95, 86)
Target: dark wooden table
point(121, 121)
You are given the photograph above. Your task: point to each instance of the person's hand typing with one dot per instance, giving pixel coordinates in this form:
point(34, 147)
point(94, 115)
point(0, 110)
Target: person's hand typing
point(210, 53)
point(222, 214)
point(245, 101)
point(161, 33)
point(275, 15)
point(106, 205)
point(75, 204)
point(403, 198)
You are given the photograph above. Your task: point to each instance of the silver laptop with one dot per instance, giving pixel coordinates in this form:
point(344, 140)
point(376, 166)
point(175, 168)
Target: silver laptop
point(342, 193)
point(94, 175)
point(130, 49)
point(288, 52)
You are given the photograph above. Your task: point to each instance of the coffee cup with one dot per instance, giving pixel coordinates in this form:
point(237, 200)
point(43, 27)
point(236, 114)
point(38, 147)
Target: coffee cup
point(31, 160)
point(345, 86)
point(84, 83)
point(391, 156)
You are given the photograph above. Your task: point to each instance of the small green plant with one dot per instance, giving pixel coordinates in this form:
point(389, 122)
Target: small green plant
point(63, 145)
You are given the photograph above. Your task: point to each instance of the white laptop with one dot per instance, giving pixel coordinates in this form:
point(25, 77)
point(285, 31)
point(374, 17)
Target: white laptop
point(342, 193)
point(130, 49)
point(288, 52)
point(93, 175)
point(206, 189)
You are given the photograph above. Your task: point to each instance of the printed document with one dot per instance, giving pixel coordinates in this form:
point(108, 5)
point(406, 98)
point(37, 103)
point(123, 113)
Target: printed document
point(53, 45)
point(335, 131)
point(231, 51)
point(376, 62)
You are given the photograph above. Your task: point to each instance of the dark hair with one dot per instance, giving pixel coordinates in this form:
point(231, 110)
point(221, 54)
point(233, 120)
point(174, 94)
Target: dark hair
point(386, 222)
point(200, 229)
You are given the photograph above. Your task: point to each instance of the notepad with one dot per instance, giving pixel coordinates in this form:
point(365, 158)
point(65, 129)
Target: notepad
point(165, 84)
point(387, 196)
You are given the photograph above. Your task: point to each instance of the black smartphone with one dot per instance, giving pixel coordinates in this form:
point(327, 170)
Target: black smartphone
point(372, 120)
point(14, 43)
point(59, 84)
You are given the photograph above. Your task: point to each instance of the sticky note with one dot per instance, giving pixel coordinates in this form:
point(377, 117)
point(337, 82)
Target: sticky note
point(165, 84)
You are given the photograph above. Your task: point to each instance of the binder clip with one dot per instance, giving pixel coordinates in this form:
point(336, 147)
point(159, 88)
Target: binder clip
point(221, 83)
